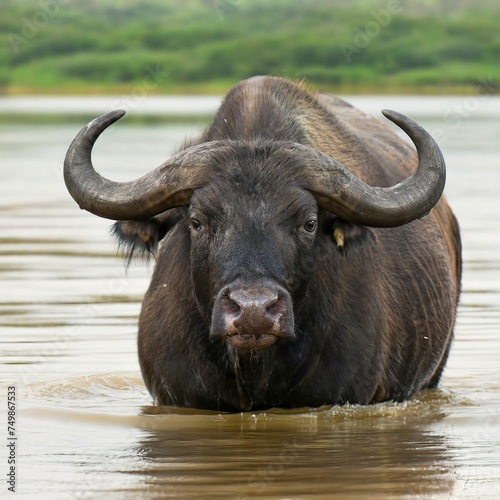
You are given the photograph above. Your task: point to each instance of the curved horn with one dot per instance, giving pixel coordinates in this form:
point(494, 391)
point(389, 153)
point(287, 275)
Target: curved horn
point(339, 191)
point(168, 186)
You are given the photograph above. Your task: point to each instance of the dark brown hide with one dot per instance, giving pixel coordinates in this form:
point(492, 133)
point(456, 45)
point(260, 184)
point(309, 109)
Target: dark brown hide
point(333, 311)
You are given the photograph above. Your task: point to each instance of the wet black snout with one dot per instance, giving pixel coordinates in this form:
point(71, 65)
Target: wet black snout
point(253, 316)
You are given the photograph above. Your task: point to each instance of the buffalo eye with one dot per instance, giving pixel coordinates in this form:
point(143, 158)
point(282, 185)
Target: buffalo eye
point(195, 224)
point(310, 225)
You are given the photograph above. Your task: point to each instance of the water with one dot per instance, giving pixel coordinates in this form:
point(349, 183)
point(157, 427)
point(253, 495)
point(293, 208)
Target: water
point(68, 310)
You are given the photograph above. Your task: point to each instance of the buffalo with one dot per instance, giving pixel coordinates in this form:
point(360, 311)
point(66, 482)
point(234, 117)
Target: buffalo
point(305, 255)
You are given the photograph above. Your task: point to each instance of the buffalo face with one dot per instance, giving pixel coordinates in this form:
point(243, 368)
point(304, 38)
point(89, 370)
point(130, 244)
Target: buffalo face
point(252, 237)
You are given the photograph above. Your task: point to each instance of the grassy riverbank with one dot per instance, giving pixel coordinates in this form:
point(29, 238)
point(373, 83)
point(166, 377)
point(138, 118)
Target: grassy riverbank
point(194, 46)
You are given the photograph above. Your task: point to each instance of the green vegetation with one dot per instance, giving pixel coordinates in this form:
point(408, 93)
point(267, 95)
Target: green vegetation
point(158, 46)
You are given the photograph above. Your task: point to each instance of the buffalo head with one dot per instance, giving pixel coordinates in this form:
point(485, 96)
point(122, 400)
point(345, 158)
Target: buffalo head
point(254, 211)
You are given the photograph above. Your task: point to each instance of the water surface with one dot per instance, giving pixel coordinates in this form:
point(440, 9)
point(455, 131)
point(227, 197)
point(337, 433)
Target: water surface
point(68, 313)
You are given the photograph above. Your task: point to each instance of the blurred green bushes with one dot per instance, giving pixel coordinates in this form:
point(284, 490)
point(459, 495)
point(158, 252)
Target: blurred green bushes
point(76, 45)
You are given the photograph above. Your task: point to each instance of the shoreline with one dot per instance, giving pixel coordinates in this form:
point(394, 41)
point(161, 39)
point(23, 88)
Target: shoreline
point(49, 109)
point(220, 88)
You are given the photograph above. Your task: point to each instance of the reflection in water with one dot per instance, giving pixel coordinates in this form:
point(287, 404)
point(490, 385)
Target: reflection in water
point(68, 315)
point(347, 452)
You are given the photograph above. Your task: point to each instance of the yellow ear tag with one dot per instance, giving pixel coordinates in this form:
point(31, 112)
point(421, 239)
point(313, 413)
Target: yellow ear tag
point(339, 237)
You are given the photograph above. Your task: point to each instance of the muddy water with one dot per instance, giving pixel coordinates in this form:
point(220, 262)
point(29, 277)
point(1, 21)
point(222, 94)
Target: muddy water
point(85, 424)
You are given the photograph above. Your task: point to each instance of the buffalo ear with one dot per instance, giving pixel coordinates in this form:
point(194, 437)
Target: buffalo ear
point(138, 238)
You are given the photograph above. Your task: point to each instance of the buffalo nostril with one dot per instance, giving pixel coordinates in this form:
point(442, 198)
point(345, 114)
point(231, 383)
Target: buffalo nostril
point(230, 306)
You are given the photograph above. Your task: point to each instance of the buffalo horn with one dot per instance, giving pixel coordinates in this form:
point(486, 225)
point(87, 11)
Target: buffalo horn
point(342, 193)
point(336, 189)
point(169, 185)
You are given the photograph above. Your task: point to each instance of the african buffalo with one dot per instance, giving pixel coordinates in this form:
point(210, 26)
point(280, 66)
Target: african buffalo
point(304, 254)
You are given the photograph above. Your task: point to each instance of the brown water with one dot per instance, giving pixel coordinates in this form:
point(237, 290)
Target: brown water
point(85, 424)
